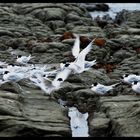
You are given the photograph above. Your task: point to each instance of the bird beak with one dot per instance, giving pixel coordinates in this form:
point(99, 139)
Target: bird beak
point(121, 77)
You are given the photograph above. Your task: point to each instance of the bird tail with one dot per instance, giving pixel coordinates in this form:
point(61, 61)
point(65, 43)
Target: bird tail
point(114, 85)
point(94, 62)
point(30, 56)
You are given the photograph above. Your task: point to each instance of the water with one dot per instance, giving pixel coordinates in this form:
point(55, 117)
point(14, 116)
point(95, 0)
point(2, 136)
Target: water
point(78, 122)
point(115, 8)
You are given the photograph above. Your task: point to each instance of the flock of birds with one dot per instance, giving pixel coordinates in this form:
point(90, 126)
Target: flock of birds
point(42, 76)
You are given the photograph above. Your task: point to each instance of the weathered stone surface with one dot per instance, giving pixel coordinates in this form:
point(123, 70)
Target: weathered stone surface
point(123, 114)
point(38, 29)
point(95, 7)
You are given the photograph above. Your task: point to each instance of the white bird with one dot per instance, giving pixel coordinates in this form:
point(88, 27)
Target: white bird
point(57, 82)
point(102, 89)
point(40, 82)
point(130, 78)
point(23, 59)
point(2, 70)
point(46, 84)
point(61, 77)
point(136, 87)
point(78, 66)
point(14, 77)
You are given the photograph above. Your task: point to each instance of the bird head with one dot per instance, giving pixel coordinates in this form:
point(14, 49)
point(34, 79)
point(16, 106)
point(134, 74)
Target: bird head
point(60, 79)
point(19, 56)
point(125, 75)
point(94, 84)
point(11, 64)
point(135, 82)
point(6, 72)
point(67, 64)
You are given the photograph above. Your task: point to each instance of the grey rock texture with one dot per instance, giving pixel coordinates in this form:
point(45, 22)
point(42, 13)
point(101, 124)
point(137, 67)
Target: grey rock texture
point(40, 29)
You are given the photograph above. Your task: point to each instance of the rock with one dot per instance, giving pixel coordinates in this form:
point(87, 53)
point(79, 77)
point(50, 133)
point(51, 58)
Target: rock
point(10, 107)
point(95, 7)
point(3, 47)
point(72, 17)
point(12, 87)
point(29, 112)
point(40, 48)
point(55, 24)
point(128, 18)
point(99, 127)
point(59, 46)
point(123, 112)
point(46, 30)
point(60, 30)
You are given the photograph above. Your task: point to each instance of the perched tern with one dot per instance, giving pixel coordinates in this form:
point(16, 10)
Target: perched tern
point(136, 87)
point(14, 77)
point(23, 59)
point(102, 89)
point(130, 78)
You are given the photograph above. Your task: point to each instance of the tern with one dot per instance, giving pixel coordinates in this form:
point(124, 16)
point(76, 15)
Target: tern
point(102, 89)
point(136, 87)
point(80, 65)
point(23, 59)
point(130, 78)
point(12, 76)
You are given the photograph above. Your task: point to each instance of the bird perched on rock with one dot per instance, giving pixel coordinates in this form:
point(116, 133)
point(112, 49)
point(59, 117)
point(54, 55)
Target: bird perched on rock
point(23, 59)
point(102, 89)
point(12, 76)
point(136, 87)
point(130, 78)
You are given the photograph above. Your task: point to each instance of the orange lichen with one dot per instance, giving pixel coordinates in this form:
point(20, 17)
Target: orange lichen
point(100, 42)
point(67, 35)
point(108, 67)
point(137, 50)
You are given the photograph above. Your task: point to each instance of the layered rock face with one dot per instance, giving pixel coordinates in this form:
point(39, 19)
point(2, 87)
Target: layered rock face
point(45, 31)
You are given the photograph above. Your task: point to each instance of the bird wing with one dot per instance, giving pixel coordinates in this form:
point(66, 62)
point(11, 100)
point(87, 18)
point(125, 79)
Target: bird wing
point(24, 59)
point(42, 84)
point(76, 47)
point(90, 63)
point(132, 79)
point(103, 89)
point(80, 61)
